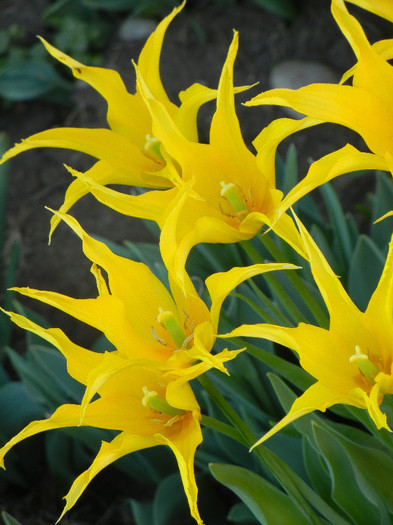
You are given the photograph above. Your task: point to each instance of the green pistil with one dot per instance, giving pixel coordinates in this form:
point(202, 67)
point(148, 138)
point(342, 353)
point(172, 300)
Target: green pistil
point(367, 367)
point(167, 319)
point(152, 149)
point(153, 400)
point(231, 193)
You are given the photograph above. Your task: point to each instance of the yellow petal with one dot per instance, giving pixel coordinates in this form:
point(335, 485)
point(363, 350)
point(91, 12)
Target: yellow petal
point(382, 8)
point(80, 361)
point(317, 397)
point(184, 440)
point(340, 105)
point(342, 161)
point(271, 136)
point(225, 133)
point(127, 114)
point(109, 452)
point(150, 205)
point(149, 58)
point(64, 416)
point(191, 100)
point(380, 83)
point(339, 305)
point(221, 284)
point(322, 353)
point(101, 143)
point(285, 228)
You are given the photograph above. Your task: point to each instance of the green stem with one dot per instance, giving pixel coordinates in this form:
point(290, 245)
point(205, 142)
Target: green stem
point(265, 300)
point(305, 294)
point(265, 316)
point(223, 428)
point(296, 488)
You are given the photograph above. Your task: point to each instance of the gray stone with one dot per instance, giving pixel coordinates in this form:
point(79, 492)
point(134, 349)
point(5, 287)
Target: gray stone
point(133, 29)
point(294, 74)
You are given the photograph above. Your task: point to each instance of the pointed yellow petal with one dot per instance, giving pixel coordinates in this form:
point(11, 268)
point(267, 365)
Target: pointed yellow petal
point(285, 228)
point(221, 284)
point(371, 402)
point(120, 446)
point(342, 161)
point(225, 133)
point(150, 205)
point(127, 114)
point(103, 173)
point(322, 353)
point(339, 305)
point(191, 100)
point(340, 105)
point(184, 440)
point(101, 143)
point(109, 452)
point(317, 397)
point(80, 361)
point(380, 83)
point(382, 8)
point(109, 315)
point(271, 136)
point(149, 58)
point(64, 416)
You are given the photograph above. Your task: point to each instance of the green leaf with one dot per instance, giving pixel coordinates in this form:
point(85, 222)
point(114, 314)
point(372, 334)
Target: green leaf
point(17, 408)
point(66, 456)
point(283, 8)
point(141, 512)
point(341, 233)
point(109, 5)
point(43, 370)
point(365, 269)
point(8, 519)
point(316, 470)
point(169, 501)
point(28, 80)
point(240, 513)
point(269, 505)
point(360, 477)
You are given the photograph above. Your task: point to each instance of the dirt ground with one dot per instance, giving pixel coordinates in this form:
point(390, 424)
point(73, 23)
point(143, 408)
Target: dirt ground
point(39, 179)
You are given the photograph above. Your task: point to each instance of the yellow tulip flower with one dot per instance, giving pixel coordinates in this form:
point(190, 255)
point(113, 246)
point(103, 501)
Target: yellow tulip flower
point(352, 360)
point(229, 193)
point(127, 152)
point(365, 106)
point(162, 342)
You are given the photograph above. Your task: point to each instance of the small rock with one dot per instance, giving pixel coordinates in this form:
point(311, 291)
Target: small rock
point(133, 29)
point(294, 74)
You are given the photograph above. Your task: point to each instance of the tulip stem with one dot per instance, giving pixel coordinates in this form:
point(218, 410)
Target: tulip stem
point(223, 428)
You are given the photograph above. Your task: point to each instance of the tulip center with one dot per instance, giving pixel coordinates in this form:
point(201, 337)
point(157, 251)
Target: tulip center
point(366, 367)
point(154, 401)
point(233, 195)
point(152, 149)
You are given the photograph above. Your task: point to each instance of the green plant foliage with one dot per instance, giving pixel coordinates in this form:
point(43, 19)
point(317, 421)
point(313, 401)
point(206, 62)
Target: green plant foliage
point(268, 504)
point(283, 8)
point(9, 520)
